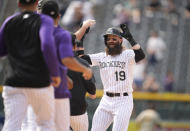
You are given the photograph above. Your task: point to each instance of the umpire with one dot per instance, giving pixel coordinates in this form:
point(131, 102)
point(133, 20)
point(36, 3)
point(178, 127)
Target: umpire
point(26, 38)
point(78, 105)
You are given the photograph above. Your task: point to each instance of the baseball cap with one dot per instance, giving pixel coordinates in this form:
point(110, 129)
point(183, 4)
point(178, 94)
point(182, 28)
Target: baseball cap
point(27, 2)
point(50, 8)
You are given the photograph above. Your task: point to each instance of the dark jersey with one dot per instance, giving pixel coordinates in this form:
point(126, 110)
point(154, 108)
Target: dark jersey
point(80, 87)
point(27, 66)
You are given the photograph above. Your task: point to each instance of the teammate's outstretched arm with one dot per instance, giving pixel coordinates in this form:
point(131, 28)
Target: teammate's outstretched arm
point(74, 65)
point(84, 28)
point(139, 54)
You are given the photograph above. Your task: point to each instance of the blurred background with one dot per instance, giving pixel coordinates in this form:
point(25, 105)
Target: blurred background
point(162, 80)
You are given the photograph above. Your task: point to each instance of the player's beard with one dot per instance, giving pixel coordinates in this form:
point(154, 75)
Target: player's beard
point(116, 50)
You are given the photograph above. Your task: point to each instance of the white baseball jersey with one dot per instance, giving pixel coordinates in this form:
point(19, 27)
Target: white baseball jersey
point(116, 71)
point(117, 77)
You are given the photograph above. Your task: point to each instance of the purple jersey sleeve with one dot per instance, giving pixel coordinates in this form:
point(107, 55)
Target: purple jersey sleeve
point(48, 44)
point(65, 46)
point(3, 50)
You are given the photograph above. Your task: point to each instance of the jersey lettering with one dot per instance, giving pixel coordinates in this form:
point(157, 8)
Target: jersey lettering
point(112, 64)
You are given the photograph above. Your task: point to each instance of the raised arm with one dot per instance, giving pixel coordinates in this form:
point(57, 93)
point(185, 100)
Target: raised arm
point(80, 35)
point(84, 29)
point(139, 54)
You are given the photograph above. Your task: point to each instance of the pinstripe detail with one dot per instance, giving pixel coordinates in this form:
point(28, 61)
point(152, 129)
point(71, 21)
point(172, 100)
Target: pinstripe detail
point(79, 122)
point(62, 114)
point(109, 65)
point(101, 120)
point(117, 110)
point(117, 76)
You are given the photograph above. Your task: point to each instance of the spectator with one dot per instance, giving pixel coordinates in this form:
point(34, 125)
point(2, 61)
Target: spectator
point(63, 4)
point(172, 13)
point(75, 14)
point(150, 84)
point(139, 75)
point(169, 82)
point(153, 7)
point(155, 49)
point(132, 6)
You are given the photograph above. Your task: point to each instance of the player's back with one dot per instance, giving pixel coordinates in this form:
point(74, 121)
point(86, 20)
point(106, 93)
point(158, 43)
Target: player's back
point(27, 65)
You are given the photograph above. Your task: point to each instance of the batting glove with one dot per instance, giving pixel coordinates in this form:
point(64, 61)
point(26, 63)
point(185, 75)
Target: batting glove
point(127, 34)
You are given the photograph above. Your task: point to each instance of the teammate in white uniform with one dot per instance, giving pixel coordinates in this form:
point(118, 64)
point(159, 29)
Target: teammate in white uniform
point(116, 69)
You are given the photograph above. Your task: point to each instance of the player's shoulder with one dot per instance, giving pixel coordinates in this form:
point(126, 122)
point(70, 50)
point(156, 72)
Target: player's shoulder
point(8, 19)
point(11, 17)
point(100, 54)
point(129, 52)
point(45, 18)
point(61, 33)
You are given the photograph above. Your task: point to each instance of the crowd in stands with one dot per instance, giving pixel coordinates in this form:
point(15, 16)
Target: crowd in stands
point(132, 11)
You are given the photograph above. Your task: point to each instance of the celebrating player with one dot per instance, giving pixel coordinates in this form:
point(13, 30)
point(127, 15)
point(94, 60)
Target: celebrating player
point(78, 105)
point(116, 69)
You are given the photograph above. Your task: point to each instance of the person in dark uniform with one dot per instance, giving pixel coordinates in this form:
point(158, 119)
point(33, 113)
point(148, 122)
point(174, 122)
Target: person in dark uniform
point(26, 38)
point(78, 105)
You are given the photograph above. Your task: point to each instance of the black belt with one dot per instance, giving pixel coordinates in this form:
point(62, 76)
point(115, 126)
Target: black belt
point(110, 94)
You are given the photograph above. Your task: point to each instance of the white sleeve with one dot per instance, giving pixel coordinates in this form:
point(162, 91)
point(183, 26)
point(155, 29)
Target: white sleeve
point(95, 58)
point(130, 54)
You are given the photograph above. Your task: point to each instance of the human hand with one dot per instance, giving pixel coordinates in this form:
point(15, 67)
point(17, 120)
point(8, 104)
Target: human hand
point(92, 96)
point(56, 81)
point(127, 34)
point(88, 23)
point(87, 74)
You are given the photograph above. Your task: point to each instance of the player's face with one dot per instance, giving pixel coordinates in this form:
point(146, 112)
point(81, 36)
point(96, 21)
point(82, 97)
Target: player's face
point(113, 40)
point(113, 45)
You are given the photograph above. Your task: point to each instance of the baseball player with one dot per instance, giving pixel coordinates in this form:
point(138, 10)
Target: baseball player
point(64, 49)
point(116, 69)
point(78, 105)
point(26, 38)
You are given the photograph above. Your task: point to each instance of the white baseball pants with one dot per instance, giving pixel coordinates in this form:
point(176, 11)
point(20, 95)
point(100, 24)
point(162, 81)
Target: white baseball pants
point(29, 123)
point(79, 122)
point(113, 109)
point(62, 114)
point(16, 101)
